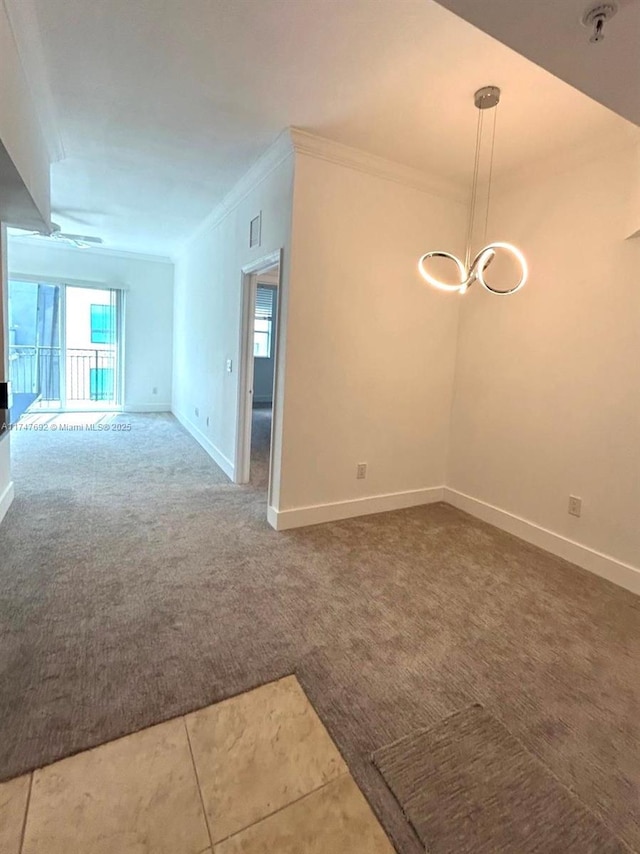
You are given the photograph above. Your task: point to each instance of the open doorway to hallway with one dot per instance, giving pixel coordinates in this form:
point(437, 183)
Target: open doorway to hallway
point(258, 371)
point(264, 356)
point(65, 347)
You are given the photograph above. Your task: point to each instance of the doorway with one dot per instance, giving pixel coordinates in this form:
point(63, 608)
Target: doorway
point(258, 374)
point(65, 347)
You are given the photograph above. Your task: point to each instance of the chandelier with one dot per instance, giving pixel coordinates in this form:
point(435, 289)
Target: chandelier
point(474, 269)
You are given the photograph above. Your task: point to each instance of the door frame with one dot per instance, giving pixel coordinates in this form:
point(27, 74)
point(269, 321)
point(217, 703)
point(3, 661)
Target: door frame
point(249, 279)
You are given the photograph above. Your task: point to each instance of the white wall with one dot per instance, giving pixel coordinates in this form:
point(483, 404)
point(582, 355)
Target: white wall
point(24, 191)
point(547, 400)
point(21, 133)
point(208, 308)
point(632, 227)
point(6, 485)
point(148, 308)
point(370, 347)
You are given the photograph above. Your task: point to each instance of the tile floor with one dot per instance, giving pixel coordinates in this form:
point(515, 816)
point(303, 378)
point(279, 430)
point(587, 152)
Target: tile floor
point(255, 774)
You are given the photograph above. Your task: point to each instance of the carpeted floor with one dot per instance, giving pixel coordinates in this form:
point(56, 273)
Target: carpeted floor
point(468, 786)
point(137, 583)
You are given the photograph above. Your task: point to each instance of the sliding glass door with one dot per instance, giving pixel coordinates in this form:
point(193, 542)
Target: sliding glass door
point(35, 318)
point(65, 347)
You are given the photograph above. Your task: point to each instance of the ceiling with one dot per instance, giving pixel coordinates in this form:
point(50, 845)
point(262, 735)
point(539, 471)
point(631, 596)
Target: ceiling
point(159, 106)
point(550, 33)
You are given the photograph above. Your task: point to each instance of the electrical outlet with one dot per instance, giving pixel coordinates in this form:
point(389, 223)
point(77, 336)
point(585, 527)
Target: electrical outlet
point(197, 412)
point(229, 365)
point(575, 505)
point(361, 471)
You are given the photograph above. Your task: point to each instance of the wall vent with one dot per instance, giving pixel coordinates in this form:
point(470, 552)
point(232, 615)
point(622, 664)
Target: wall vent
point(255, 231)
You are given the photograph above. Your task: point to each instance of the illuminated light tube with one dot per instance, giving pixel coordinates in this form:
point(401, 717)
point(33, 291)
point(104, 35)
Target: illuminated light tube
point(487, 255)
point(444, 286)
point(480, 263)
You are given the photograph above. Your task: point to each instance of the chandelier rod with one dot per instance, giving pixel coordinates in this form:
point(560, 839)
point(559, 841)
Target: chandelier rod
point(474, 189)
point(493, 144)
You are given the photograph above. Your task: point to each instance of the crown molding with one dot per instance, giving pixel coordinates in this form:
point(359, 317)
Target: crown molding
point(296, 141)
point(60, 246)
point(279, 151)
point(25, 29)
point(354, 158)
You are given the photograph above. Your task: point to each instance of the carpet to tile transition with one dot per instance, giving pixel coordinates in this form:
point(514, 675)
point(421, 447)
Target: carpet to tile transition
point(137, 584)
point(468, 786)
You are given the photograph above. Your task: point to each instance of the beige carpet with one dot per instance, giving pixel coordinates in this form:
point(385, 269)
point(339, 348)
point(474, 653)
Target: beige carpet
point(137, 583)
point(468, 786)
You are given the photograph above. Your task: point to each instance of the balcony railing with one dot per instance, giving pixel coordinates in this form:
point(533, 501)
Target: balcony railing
point(89, 374)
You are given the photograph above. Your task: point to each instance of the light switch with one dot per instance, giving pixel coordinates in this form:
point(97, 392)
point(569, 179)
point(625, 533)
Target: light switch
point(229, 365)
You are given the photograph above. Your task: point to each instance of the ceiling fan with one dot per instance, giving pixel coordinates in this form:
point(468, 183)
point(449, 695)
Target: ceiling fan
point(81, 241)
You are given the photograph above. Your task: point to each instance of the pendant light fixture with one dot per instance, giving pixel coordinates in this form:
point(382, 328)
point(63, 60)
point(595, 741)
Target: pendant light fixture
point(486, 98)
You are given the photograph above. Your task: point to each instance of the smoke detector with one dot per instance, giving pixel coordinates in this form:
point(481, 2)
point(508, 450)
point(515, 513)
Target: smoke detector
point(596, 17)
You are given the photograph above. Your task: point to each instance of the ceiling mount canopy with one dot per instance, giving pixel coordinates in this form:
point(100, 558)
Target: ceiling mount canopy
point(596, 17)
point(486, 98)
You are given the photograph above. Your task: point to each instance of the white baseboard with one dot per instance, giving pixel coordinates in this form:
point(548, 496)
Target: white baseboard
point(146, 407)
point(622, 574)
point(215, 453)
point(6, 499)
point(298, 517)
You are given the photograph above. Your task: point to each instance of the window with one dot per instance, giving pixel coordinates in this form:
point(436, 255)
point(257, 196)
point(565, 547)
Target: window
point(101, 384)
point(263, 322)
point(103, 324)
